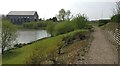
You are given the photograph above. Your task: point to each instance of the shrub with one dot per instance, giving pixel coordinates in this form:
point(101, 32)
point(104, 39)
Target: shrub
point(63, 27)
point(116, 18)
point(50, 28)
point(18, 45)
point(103, 22)
point(79, 21)
point(35, 58)
point(88, 26)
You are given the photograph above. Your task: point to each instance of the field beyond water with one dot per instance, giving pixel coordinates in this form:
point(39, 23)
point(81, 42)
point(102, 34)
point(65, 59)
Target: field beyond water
point(43, 50)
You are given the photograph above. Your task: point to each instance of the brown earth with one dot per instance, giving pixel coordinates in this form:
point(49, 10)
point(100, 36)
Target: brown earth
point(101, 50)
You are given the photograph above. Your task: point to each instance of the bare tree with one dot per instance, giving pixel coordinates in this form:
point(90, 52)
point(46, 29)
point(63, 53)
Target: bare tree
point(117, 8)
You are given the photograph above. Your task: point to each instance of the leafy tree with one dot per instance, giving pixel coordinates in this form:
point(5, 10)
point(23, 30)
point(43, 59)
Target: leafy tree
point(8, 34)
point(54, 19)
point(59, 17)
point(62, 14)
point(68, 14)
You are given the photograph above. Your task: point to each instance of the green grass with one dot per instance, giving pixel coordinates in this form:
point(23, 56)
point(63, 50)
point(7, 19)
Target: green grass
point(46, 46)
point(17, 56)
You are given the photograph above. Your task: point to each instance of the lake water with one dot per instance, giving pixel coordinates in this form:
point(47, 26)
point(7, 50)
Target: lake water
point(26, 36)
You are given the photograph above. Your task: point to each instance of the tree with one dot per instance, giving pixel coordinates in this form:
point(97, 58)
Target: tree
point(117, 9)
point(8, 34)
point(68, 14)
point(58, 17)
point(62, 14)
point(54, 19)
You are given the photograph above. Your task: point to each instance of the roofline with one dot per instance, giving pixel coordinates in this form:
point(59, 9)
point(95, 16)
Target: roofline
point(21, 11)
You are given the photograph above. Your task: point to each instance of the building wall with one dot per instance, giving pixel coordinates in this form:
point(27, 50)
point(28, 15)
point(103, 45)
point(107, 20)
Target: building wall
point(20, 19)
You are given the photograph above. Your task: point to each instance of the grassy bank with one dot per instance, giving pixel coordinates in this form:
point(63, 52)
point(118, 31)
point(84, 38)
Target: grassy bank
point(42, 50)
point(17, 56)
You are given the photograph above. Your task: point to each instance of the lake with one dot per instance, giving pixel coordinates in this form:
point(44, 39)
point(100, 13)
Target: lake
point(26, 36)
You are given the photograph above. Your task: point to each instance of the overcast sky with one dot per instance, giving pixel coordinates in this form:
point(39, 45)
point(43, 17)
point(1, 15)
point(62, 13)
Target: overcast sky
point(94, 9)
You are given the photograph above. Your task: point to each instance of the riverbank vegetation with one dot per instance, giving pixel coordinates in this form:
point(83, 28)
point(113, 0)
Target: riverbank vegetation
point(43, 51)
point(78, 22)
point(68, 38)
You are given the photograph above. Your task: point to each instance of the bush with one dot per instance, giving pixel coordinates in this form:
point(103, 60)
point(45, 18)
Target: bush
point(79, 21)
point(35, 58)
point(88, 26)
point(50, 28)
point(103, 22)
point(116, 18)
point(18, 45)
point(63, 27)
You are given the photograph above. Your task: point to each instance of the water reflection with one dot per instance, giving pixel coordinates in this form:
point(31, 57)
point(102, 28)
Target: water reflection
point(26, 36)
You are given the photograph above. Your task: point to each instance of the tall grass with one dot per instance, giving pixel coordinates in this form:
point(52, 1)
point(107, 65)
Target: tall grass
point(35, 25)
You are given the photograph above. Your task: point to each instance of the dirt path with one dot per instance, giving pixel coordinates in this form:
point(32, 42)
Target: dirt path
point(101, 50)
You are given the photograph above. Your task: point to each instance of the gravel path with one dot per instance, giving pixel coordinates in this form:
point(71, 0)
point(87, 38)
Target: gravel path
point(101, 50)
